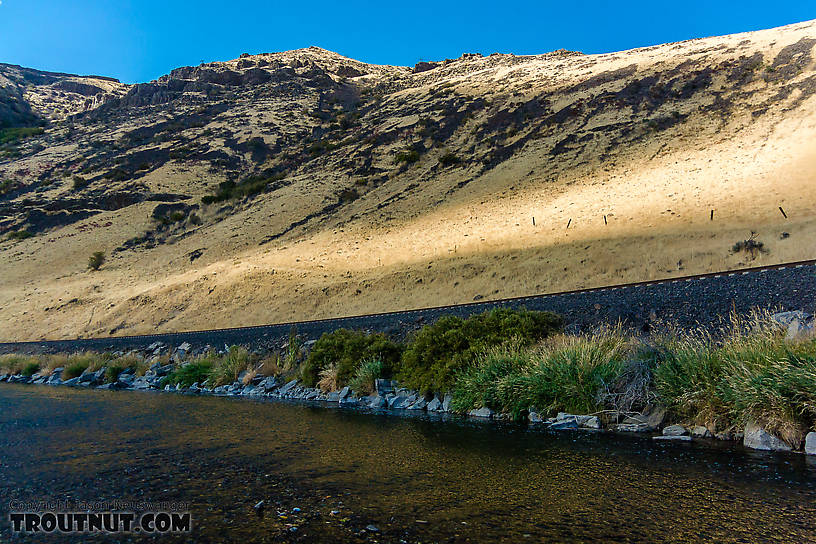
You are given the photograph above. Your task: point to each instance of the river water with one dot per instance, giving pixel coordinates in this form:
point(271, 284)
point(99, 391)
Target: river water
point(327, 474)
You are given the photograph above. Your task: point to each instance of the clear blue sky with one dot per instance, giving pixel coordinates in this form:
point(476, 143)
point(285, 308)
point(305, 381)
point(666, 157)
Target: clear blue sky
point(139, 40)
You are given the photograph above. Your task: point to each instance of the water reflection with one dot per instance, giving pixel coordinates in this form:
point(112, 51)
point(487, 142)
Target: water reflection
point(462, 480)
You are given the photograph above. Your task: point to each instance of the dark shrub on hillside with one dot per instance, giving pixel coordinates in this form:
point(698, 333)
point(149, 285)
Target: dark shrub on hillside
point(79, 182)
point(348, 195)
point(442, 350)
point(348, 349)
point(6, 186)
point(19, 234)
point(449, 159)
point(249, 186)
point(10, 135)
point(96, 260)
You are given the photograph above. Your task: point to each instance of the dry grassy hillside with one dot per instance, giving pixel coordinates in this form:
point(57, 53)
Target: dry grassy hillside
point(304, 184)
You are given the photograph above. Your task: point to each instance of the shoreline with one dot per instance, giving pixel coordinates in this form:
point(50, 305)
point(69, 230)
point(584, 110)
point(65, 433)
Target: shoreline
point(401, 402)
point(755, 383)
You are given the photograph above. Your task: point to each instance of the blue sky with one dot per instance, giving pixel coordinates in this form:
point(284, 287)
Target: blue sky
point(139, 40)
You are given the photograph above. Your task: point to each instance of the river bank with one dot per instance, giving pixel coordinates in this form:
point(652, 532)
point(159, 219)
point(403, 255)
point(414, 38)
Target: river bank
point(755, 385)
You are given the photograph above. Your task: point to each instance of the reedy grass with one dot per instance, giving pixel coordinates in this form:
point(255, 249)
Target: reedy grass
point(227, 368)
point(364, 377)
point(751, 374)
point(746, 372)
point(197, 371)
point(14, 364)
point(564, 373)
point(329, 378)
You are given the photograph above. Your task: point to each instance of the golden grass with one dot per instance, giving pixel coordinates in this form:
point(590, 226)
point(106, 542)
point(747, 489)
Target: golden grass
point(328, 379)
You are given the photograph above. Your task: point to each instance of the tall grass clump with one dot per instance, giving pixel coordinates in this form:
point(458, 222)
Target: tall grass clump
point(30, 369)
point(197, 371)
point(751, 373)
point(14, 364)
point(119, 365)
point(328, 379)
point(347, 350)
point(566, 373)
point(366, 375)
point(227, 368)
point(78, 363)
point(441, 351)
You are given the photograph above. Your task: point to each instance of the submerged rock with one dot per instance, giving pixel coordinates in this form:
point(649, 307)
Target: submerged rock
point(759, 439)
point(673, 437)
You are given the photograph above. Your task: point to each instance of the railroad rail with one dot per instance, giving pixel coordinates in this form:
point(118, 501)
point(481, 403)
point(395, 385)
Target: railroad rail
point(695, 300)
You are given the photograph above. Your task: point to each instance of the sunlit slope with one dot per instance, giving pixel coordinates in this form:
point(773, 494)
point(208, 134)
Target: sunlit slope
point(387, 189)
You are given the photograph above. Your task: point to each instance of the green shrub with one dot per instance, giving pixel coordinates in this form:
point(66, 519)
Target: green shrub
point(19, 234)
point(409, 156)
point(778, 392)
point(348, 349)
point(30, 369)
point(13, 364)
point(442, 350)
point(118, 366)
point(249, 186)
point(364, 377)
point(96, 260)
point(6, 186)
point(9, 135)
point(449, 159)
point(686, 380)
point(752, 374)
point(194, 372)
point(79, 182)
point(294, 350)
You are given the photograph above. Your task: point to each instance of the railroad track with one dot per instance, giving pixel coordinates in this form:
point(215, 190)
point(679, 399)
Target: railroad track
point(701, 299)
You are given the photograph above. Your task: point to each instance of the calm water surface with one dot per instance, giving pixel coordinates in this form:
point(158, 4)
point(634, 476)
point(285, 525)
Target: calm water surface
point(417, 479)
